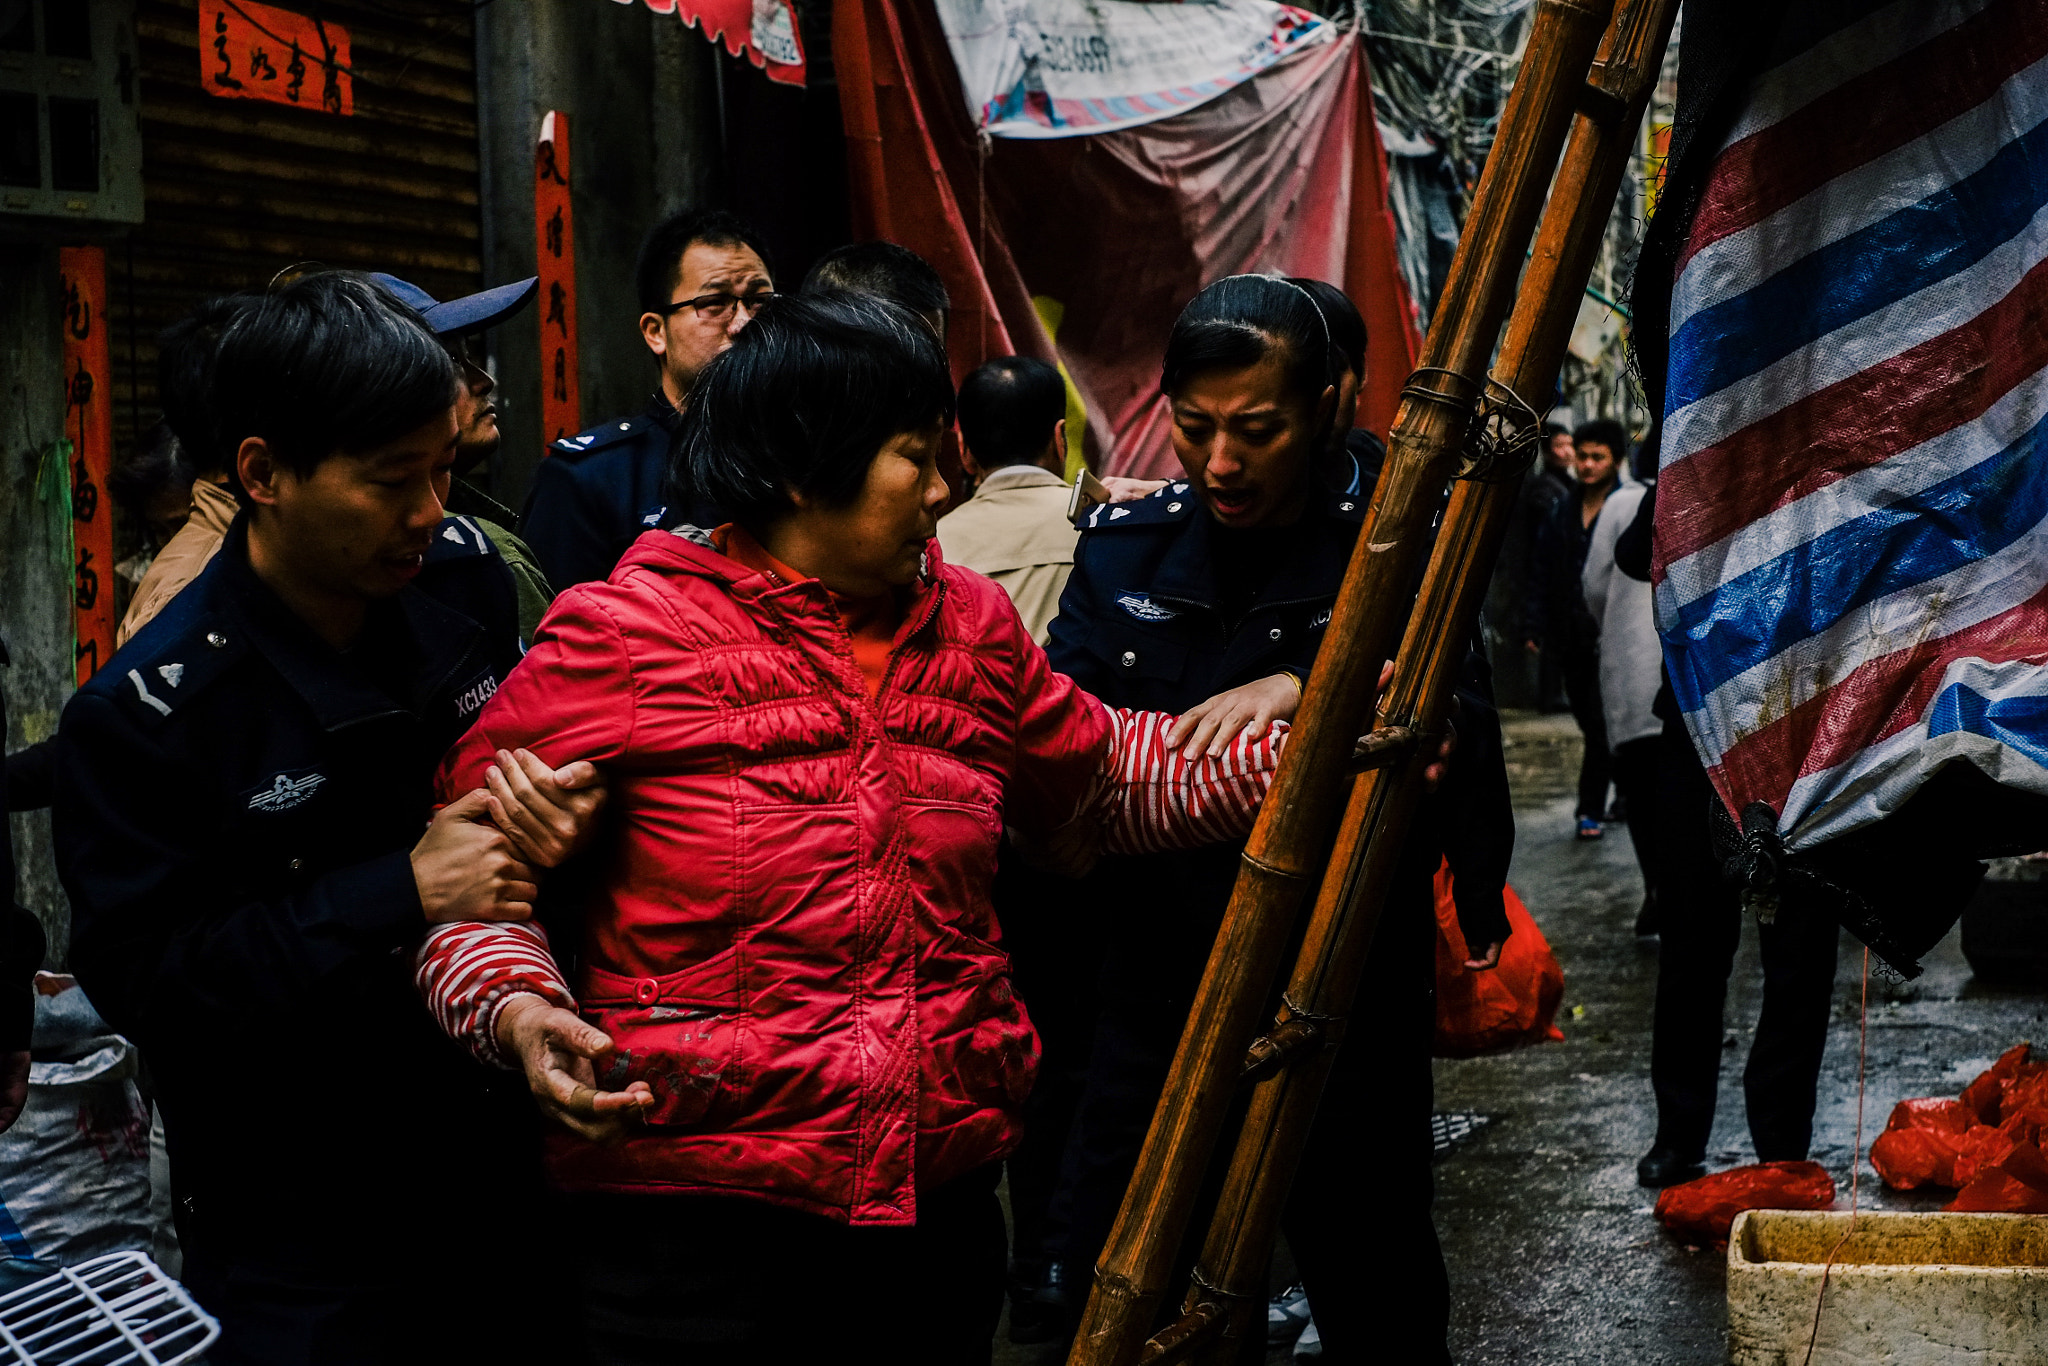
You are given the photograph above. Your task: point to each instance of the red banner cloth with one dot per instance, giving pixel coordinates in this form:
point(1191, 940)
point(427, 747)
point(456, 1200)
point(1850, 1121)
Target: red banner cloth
point(249, 51)
point(89, 427)
point(764, 32)
point(1114, 233)
point(554, 231)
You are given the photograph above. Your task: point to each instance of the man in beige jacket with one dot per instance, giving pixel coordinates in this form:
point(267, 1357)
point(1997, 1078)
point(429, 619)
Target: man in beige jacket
point(1014, 529)
point(184, 384)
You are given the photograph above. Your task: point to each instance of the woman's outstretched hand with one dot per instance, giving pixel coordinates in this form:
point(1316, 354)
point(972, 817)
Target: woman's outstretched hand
point(1211, 726)
point(556, 1050)
point(547, 813)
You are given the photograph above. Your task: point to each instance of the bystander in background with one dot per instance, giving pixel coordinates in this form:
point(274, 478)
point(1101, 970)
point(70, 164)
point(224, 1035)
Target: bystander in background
point(1014, 529)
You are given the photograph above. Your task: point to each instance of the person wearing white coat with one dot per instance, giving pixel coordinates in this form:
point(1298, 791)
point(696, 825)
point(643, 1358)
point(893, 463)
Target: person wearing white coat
point(1631, 665)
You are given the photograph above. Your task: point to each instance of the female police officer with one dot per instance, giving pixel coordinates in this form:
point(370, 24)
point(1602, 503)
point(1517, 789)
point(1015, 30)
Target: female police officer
point(1210, 598)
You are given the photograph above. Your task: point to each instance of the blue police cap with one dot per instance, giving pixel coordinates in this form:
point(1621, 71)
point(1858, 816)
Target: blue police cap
point(470, 313)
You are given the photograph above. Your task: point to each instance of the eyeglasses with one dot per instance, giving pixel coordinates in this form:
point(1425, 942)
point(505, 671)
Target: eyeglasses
point(718, 307)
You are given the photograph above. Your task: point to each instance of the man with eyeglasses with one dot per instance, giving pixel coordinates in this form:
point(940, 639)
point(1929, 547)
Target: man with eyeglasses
point(701, 277)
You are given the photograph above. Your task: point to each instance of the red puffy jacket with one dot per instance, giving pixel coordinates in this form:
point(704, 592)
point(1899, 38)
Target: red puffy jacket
point(789, 935)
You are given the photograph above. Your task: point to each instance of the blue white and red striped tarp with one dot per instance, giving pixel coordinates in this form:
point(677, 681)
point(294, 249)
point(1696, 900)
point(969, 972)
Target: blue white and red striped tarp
point(1852, 518)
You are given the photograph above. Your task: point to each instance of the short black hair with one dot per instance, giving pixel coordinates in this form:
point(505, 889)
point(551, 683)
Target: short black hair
point(1603, 431)
point(185, 356)
point(156, 464)
point(884, 270)
point(661, 251)
point(1347, 324)
point(329, 363)
point(1237, 322)
point(1008, 409)
point(802, 401)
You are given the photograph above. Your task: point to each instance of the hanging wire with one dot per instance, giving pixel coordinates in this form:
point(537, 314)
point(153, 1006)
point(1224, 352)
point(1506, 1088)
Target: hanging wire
point(1441, 69)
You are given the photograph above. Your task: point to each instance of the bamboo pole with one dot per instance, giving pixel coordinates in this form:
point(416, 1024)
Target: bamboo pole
point(1294, 824)
point(1232, 1272)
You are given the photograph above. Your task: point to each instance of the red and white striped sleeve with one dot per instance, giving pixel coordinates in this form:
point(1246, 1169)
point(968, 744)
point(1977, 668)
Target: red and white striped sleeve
point(467, 971)
point(1155, 798)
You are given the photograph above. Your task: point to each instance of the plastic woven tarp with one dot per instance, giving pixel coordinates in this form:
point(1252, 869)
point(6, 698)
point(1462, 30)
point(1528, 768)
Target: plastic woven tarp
point(1852, 519)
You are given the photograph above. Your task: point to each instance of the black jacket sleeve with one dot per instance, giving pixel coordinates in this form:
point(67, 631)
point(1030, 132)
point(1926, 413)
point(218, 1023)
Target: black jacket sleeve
point(21, 954)
point(1632, 548)
point(567, 527)
point(159, 948)
point(31, 777)
point(1067, 636)
point(1478, 820)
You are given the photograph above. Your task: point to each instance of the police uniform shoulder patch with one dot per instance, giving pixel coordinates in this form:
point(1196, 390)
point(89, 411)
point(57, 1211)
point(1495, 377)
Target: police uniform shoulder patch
point(458, 538)
point(597, 438)
point(168, 663)
point(1174, 503)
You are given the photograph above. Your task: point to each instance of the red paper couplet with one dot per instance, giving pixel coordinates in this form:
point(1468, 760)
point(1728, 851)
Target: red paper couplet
point(555, 243)
point(249, 51)
point(89, 426)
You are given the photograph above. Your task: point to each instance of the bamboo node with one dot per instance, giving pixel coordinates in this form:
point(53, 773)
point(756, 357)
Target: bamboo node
point(1501, 442)
point(1274, 869)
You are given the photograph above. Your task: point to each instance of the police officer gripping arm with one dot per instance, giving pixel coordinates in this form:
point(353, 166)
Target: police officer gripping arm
point(243, 824)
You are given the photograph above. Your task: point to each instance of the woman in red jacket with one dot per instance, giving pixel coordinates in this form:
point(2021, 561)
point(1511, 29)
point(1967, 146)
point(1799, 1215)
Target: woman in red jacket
point(798, 1057)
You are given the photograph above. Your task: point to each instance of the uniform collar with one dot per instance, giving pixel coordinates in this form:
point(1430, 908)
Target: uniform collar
point(1018, 477)
point(1311, 571)
point(435, 637)
point(662, 413)
point(466, 499)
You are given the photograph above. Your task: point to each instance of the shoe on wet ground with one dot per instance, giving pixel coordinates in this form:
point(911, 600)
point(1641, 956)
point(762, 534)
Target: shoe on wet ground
point(1286, 1315)
point(1589, 829)
point(1042, 1306)
point(1663, 1166)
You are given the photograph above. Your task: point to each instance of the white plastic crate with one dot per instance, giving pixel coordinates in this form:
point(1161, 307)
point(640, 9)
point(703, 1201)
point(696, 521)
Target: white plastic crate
point(120, 1308)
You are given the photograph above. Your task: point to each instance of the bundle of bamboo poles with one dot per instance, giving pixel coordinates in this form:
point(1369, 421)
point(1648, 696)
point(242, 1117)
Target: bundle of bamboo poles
point(1588, 72)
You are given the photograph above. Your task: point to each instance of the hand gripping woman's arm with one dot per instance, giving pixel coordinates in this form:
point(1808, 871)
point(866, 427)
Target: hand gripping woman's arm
point(1091, 779)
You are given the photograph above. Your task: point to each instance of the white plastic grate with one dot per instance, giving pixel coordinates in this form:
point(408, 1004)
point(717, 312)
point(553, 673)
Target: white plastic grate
point(117, 1310)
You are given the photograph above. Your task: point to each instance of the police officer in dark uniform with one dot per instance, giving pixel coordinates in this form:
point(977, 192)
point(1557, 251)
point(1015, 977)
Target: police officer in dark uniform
point(1208, 600)
point(701, 276)
point(242, 792)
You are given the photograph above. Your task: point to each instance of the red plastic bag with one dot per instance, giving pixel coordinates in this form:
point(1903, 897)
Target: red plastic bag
point(1988, 1095)
point(2017, 1184)
point(1703, 1211)
point(1934, 1141)
point(1511, 1005)
point(1920, 1144)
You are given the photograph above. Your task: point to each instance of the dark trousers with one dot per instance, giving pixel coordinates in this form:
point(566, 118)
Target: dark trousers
point(1381, 1297)
point(1055, 945)
point(1700, 918)
point(1358, 1217)
point(664, 1280)
point(1582, 688)
point(1635, 778)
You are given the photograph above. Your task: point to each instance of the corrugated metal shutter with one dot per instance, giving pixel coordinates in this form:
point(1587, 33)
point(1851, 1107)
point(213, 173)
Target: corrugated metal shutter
point(237, 190)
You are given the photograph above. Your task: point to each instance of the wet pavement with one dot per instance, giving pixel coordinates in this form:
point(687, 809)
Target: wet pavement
point(1553, 1254)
